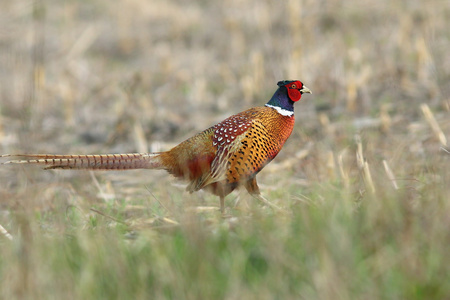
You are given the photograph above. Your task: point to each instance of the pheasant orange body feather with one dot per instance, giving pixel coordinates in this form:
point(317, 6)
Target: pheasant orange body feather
point(218, 159)
point(238, 148)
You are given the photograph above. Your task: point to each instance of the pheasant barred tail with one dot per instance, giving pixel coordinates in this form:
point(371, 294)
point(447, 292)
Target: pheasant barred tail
point(90, 162)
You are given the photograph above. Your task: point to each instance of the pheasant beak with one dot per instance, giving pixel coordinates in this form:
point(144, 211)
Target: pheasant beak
point(305, 90)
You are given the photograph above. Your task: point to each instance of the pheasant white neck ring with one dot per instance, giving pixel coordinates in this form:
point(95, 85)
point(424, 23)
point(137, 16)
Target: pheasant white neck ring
point(282, 111)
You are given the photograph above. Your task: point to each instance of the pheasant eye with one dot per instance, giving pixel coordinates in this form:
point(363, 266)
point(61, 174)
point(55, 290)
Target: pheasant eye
point(294, 86)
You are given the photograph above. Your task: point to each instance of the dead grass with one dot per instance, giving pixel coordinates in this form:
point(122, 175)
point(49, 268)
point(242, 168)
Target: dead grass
point(365, 172)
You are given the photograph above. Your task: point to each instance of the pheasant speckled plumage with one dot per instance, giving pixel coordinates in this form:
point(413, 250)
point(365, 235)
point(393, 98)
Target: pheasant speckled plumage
point(219, 159)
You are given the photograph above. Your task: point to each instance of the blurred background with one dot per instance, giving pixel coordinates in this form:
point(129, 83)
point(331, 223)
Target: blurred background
point(90, 77)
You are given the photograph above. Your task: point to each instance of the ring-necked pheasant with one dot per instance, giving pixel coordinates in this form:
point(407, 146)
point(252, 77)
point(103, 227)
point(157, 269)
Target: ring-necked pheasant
point(219, 159)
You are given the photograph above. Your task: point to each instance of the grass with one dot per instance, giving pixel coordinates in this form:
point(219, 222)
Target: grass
point(364, 175)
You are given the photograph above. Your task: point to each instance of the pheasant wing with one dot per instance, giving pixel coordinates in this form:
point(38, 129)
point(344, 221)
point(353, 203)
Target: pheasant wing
point(227, 139)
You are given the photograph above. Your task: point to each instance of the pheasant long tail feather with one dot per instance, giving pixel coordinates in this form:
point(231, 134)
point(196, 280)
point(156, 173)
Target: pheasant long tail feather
point(90, 162)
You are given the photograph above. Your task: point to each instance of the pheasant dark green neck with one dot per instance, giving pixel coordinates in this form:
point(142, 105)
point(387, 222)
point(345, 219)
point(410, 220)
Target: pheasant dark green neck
point(281, 102)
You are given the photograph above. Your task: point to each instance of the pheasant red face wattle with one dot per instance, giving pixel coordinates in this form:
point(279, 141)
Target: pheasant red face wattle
point(294, 94)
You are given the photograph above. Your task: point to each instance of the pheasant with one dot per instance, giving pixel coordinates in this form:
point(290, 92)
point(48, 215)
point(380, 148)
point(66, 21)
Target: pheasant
point(219, 159)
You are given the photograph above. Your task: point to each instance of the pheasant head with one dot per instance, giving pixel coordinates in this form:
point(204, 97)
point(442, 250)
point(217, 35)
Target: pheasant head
point(289, 91)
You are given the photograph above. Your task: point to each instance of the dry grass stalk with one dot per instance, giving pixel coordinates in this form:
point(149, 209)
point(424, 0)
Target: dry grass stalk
point(390, 174)
point(359, 152)
point(344, 175)
point(108, 197)
point(385, 118)
point(364, 165)
point(368, 178)
point(108, 216)
point(139, 137)
point(5, 233)
point(429, 116)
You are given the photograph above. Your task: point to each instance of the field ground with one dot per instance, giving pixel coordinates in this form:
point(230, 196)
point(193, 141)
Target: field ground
point(365, 176)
